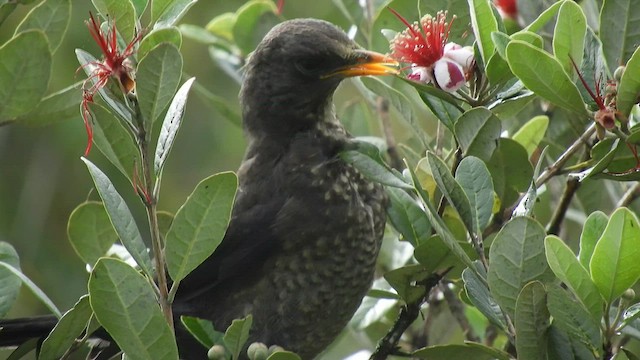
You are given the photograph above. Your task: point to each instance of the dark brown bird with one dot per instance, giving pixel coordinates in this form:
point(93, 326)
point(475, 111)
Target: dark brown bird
point(300, 251)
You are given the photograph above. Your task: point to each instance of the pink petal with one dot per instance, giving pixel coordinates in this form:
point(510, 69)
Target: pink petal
point(449, 75)
point(420, 74)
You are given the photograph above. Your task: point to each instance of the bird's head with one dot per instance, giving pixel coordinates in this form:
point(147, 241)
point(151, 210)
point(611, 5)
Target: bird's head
point(292, 74)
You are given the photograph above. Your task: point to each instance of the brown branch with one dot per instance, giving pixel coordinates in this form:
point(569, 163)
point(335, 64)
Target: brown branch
point(629, 196)
point(408, 314)
point(570, 189)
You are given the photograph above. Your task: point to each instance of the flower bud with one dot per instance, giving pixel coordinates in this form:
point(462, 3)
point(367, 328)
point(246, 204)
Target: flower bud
point(617, 75)
point(449, 75)
point(629, 295)
point(420, 74)
point(275, 348)
point(216, 352)
point(258, 351)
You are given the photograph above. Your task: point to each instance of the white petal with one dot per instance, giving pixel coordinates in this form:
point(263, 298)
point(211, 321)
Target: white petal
point(420, 74)
point(462, 55)
point(449, 75)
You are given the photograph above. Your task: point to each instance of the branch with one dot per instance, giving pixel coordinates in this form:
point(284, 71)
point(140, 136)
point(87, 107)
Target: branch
point(629, 196)
point(570, 189)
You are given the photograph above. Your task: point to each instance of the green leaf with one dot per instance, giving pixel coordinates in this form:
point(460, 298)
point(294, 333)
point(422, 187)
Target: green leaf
point(40, 295)
point(5, 10)
point(531, 322)
point(156, 37)
point(629, 87)
point(171, 125)
point(90, 231)
point(120, 11)
point(568, 269)
point(440, 102)
point(517, 258)
point(253, 20)
point(114, 141)
point(544, 17)
point(483, 23)
point(452, 190)
point(52, 17)
point(140, 6)
point(366, 158)
point(284, 355)
point(59, 106)
point(200, 224)
point(570, 316)
point(9, 283)
point(407, 217)
point(26, 347)
point(591, 231)
point(593, 69)
point(435, 256)
point(125, 305)
point(614, 264)
point(475, 180)
point(438, 224)
point(399, 101)
point(453, 351)
point(544, 75)
point(64, 334)
point(157, 79)
point(404, 279)
point(568, 36)
point(24, 74)
point(237, 335)
point(478, 131)
point(619, 21)
point(444, 111)
point(202, 330)
point(510, 170)
point(531, 133)
point(165, 13)
point(121, 218)
point(479, 295)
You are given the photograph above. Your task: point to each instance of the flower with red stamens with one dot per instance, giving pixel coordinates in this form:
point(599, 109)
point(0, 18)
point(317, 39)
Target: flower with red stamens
point(508, 9)
point(433, 59)
point(115, 63)
point(605, 115)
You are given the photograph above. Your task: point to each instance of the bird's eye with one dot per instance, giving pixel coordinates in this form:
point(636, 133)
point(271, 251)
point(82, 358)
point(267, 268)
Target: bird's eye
point(310, 66)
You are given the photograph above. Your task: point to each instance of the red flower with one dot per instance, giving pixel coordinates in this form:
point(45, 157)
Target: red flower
point(425, 45)
point(114, 64)
point(507, 8)
point(605, 115)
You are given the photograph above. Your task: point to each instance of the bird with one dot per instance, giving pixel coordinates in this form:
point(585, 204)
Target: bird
point(306, 227)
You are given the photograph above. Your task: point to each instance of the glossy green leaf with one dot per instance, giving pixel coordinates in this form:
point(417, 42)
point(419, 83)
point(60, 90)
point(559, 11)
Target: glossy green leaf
point(166, 13)
point(9, 283)
point(453, 351)
point(156, 37)
point(251, 18)
point(478, 131)
point(614, 264)
point(568, 269)
point(59, 106)
point(591, 232)
point(474, 178)
point(202, 330)
point(5, 10)
point(171, 125)
point(284, 355)
point(619, 24)
point(90, 231)
point(562, 347)
point(510, 170)
point(593, 69)
point(200, 224)
point(531, 322)
point(434, 256)
point(500, 40)
point(544, 75)
point(366, 158)
point(528, 37)
point(157, 79)
point(570, 316)
point(531, 133)
point(125, 305)
point(140, 6)
point(114, 141)
point(237, 335)
point(52, 17)
point(64, 334)
point(24, 74)
point(497, 69)
point(483, 23)
point(437, 223)
point(629, 87)
point(121, 218)
point(39, 294)
point(568, 36)
point(444, 111)
point(407, 217)
point(544, 17)
point(517, 258)
point(452, 190)
point(120, 11)
point(479, 295)
point(404, 280)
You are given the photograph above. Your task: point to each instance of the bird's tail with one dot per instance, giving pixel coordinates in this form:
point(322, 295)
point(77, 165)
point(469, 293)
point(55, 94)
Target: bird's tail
point(14, 332)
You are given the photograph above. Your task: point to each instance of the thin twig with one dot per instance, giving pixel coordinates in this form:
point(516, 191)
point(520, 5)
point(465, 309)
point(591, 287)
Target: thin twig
point(570, 189)
point(408, 314)
point(629, 196)
point(457, 310)
point(554, 168)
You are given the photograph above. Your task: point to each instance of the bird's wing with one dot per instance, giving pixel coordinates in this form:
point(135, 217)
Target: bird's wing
point(248, 242)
